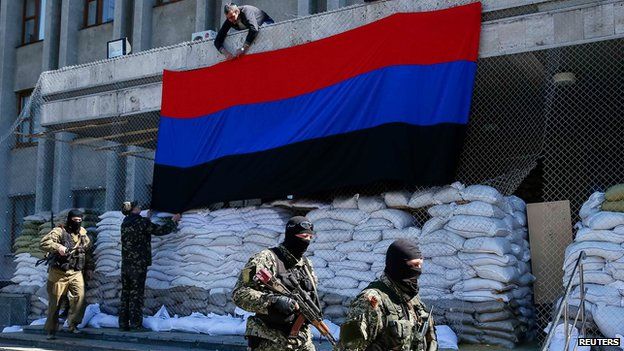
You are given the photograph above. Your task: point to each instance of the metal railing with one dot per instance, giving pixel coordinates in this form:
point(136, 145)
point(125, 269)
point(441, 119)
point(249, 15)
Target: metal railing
point(563, 308)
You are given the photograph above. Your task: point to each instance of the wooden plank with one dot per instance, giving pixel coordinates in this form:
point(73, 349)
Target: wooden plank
point(550, 233)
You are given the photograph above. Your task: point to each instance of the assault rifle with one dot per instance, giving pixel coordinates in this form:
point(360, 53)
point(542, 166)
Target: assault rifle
point(425, 327)
point(52, 255)
point(308, 310)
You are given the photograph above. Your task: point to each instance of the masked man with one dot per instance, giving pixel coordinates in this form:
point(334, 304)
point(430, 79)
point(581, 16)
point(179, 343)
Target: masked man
point(271, 327)
point(388, 314)
point(136, 256)
point(67, 244)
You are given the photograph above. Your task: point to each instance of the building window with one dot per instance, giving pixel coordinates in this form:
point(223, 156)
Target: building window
point(98, 12)
point(93, 199)
point(25, 130)
point(165, 2)
point(21, 206)
point(33, 21)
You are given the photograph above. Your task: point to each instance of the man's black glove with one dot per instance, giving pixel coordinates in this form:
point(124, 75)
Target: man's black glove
point(283, 305)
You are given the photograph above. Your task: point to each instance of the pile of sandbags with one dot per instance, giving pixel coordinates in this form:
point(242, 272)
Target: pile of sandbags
point(477, 252)
point(600, 234)
point(193, 269)
point(349, 249)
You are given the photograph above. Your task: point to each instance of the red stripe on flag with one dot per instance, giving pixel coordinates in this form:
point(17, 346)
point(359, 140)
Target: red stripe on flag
point(401, 39)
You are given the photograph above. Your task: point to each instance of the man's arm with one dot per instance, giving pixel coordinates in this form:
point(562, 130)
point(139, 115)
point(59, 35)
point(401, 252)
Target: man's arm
point(218, 42)
point(363, 324)
point(254, 28)
point(51, 242)
point(247, 293)
point(159, 230)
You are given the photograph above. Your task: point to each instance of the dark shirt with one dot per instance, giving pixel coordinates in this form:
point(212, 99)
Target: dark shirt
point(136, 240)
point(251, 18)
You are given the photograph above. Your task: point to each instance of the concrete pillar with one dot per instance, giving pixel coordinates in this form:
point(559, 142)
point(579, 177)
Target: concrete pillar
point(329, 5)
point(137, 178)
point(10, 38)
point(220, 14)
point(304, 8)
point(122, 23)
point(115, 176)
point(45, 147)
point(61, 192)
point(206, 15)
point(72, 18)
point(142, 25)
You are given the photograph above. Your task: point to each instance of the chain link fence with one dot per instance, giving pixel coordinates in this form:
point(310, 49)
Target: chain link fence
point(545, 126)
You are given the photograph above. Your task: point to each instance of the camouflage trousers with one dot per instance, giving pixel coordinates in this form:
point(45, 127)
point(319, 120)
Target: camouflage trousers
point(269, 345)
point(132, 297)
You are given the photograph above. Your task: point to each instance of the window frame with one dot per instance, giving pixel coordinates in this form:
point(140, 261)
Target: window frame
point(99, 14)
point(13, 200)
point(36, 17)
point(19, 139)
point(161, 3)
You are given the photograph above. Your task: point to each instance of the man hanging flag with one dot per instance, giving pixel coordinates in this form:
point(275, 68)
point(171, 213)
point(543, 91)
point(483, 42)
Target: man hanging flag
point(388, 101)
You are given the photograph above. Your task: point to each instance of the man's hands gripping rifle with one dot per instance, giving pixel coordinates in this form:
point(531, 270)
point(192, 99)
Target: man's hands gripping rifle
point(50, 256)
point(308, 310)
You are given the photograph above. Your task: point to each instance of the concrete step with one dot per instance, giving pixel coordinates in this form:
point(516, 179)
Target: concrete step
point(160, 339)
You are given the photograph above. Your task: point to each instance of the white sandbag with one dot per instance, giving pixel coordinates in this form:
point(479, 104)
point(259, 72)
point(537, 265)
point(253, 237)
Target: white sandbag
point(422, 198)
point(475, 224)
point(333, 236)
point(610, 320)
point(449, 262)
point(317, 262)
point(479, 208)
point(443, 236)
point(353, 246)
point(446, 337)
point(433, 268)
point(370, 203)
point(605, 220)
point(340, 283)
point(260, 240)
point(591, 277)
point(497, 246)
point(479, 284)
point(398, 218)
point(559, 339)
point(226, 241)
point(517, 203)
point(263, 232)
point(346, 202)
point(442, 210)
point(323, 273)
point(498, 273)
point(609, 251)
point(89, 313)
point(367, 235)
point(382, 246)
point(481, 296)
point(406, 233)
point(325, 224)
point(365, 257)
point(397, 198)
point(102, 320)
point(357, 275)
point(588, 234)
point(520, 218)
point(435, 223)
point(592, 205)
point(437, 249)
point(354, 265)
point(374, 224)
point(322, 246)
point(223, 283)
point(449, 193)
point(481, 193)
point(159, 322)
point(435, 281)
point(330, 255)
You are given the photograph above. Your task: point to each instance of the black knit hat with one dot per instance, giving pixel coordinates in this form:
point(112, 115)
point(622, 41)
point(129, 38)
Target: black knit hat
point(299, 224)
point(74, 213)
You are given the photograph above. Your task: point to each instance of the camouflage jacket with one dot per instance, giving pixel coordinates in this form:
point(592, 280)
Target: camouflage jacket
point(136, 240)
point(377, 322)
point(51, 242)
point(253, 297)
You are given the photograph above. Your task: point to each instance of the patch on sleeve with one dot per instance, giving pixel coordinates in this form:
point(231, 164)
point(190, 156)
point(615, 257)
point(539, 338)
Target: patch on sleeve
point(373, 301)
point(248, 274)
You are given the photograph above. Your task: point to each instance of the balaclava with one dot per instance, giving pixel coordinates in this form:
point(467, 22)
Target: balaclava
point(397, 269)
point(73, 226)
point(297, 225)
